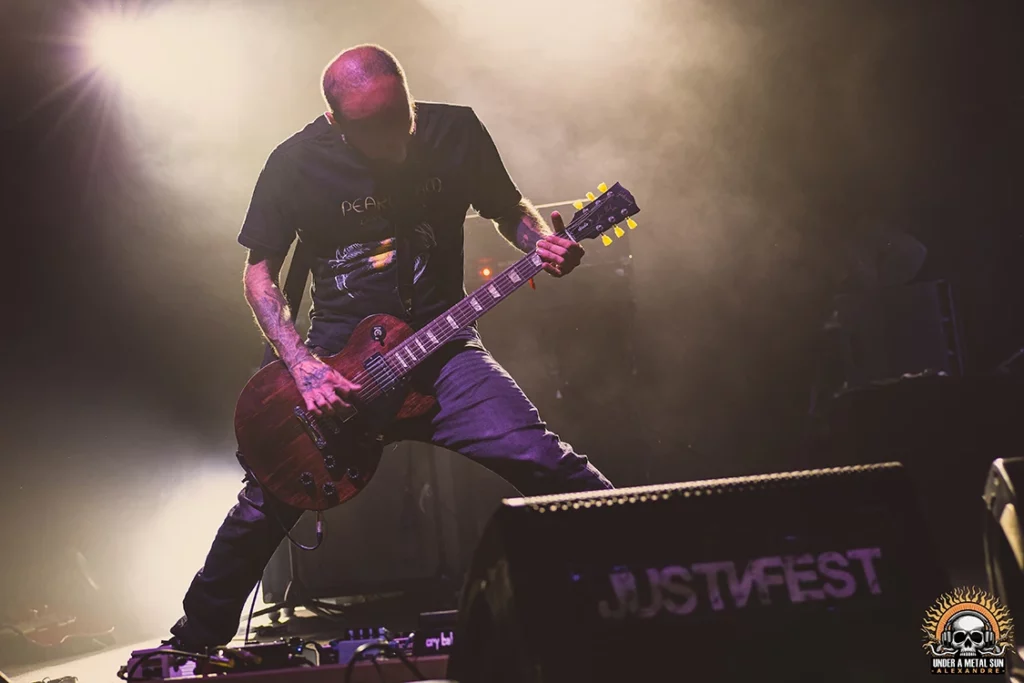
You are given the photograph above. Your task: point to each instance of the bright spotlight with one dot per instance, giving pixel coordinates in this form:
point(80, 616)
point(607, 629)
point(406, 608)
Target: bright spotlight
point(175, 57)
point(112, 43)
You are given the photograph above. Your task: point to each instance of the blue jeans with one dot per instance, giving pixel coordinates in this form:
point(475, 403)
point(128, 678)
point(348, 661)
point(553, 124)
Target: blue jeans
point(481, 413)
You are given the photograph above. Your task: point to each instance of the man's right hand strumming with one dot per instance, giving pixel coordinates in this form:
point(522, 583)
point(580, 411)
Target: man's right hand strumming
point(324, 389)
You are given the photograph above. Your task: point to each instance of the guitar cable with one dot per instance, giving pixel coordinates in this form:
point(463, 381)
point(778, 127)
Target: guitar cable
point(386, 648)
point(320, 525)
point(267, 509)
point(252, 608)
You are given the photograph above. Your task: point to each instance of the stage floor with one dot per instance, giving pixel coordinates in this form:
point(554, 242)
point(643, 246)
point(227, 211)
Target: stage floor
point(98, 667)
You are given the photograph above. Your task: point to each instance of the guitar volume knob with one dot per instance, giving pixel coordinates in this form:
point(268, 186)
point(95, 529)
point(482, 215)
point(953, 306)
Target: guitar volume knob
point(330, 462)
point(306, 479)
point(352, 472)
point(330, 489)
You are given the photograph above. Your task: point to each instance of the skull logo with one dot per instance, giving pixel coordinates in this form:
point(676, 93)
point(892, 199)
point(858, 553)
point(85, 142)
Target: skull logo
point(969, 634)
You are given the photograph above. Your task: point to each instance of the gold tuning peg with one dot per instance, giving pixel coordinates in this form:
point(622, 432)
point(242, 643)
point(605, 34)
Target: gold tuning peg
point(631, 223)
point(606, 240)
point(590, 196)
point(619, 232)
point(602, 188)
point(578, 205)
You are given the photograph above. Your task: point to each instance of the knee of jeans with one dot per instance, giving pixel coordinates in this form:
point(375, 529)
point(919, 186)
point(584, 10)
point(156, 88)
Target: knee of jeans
point(548, 453)
point(246, 513)
point(250, 504)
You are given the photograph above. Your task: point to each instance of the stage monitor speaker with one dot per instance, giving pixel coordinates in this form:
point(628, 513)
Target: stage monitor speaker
point(820, 575)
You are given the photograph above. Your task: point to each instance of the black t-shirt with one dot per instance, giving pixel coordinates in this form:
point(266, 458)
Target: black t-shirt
point(315, 186)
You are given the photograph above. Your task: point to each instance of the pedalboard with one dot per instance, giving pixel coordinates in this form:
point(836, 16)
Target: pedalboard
point(161, 664)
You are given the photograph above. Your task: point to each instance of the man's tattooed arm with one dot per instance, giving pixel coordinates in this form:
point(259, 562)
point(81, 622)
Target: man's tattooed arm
point(271, 309)
point(523, 226)
point(322, 387)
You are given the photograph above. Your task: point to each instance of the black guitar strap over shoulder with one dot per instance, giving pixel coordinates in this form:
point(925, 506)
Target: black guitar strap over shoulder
point(295, 282)
point(405, 259)
point(400, 188)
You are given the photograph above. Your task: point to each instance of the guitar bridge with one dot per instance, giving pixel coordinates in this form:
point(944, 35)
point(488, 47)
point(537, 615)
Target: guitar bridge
point(309, 423)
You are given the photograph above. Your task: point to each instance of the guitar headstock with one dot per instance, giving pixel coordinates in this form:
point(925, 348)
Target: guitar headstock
point(603, 213)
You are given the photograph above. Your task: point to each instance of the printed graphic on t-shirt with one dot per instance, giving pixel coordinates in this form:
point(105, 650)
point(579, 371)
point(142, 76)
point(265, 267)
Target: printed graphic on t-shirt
point(356, 265)
point(423, 241)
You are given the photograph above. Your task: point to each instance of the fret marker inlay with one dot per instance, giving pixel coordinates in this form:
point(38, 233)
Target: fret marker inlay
point(536, 259)
point(494, 291)
point(422, 347)
point(451, 321)
point(431, 337)
point(476, 304)
point(514, 276)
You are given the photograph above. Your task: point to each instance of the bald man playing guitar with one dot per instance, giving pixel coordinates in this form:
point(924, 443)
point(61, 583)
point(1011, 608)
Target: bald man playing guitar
point(336, 186)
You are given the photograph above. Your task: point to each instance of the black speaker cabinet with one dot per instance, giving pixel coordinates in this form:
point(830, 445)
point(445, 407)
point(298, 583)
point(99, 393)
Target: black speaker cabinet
point(820, 575)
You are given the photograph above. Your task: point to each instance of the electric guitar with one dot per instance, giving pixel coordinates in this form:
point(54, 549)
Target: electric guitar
point(316, 463)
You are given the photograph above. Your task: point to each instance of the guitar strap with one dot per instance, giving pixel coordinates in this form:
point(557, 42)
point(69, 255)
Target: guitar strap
point(400, 187)
point(294, 283)
point(405, 259)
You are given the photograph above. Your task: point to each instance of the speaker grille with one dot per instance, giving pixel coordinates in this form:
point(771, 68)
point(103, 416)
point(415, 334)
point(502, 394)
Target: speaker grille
point(703, 488)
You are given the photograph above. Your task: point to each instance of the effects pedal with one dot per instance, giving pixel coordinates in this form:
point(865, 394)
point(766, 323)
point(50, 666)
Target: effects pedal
point(161, 664)
point(435, 633)
point(157, 664)
point(343, 649)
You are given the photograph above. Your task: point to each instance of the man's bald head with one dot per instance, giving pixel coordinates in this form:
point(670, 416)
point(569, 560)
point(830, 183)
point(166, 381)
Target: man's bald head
point(364, 82)
point(369, 102)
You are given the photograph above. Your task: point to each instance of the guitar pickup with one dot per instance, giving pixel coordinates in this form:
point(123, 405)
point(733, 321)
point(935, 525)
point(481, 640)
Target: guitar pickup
point(309, 423)
point(382, 372)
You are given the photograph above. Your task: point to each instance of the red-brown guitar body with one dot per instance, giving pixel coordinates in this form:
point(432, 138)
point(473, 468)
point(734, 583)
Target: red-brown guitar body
point(316, 464)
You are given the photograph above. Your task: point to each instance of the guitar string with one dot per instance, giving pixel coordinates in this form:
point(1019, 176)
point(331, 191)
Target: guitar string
point(499, 283)
point(376, 389)
point(502, 281)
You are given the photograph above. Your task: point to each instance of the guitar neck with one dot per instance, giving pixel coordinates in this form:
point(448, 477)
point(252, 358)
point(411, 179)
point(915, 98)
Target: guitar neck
point(614, 205)
point(414, 350)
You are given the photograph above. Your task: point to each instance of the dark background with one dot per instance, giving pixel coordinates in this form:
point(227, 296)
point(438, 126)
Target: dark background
point(759, 139)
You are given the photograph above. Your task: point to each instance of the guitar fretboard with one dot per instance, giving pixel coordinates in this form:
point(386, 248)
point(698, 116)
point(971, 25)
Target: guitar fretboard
point(588, 222)
point(442, 329)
